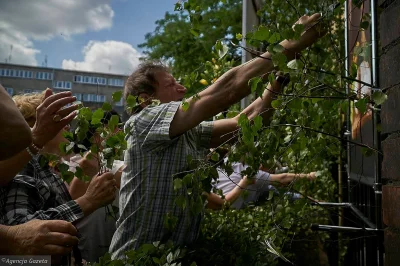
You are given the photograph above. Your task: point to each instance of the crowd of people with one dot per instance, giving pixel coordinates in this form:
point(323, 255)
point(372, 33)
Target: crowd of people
point(41, 214)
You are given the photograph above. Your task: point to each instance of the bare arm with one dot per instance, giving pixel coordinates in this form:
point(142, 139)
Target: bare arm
point(233, 85)
point(286, 178)
point(44, 130)
point(12, 124)
point(224, 129)
point(215, 202)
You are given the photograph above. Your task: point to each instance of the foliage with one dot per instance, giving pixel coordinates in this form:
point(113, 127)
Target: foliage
point(304, 132)
point(185, 47)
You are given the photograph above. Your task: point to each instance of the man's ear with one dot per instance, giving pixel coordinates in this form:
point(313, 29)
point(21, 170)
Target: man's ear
point(144, 99)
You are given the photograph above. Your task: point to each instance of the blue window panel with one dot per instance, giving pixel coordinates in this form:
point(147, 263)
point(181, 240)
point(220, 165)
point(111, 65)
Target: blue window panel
point(78, 78)
point(78, 96)
point(10, 91)
point(101, 98)
point(67, 84)
point(86, 80)
point(120, 103)
point(86, 97)
point(30, 74)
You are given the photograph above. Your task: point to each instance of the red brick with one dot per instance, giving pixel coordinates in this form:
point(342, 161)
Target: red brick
point(390, 112)
point(391, 158)
point(392, 247)
point(390, 24)
point(391, 205)
point(390, 68)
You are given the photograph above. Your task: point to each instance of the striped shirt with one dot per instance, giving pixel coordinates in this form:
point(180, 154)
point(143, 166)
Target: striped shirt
point(147, 195)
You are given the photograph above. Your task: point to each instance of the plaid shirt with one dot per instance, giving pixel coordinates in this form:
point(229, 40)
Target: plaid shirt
point(147, 194)
point(37, 193)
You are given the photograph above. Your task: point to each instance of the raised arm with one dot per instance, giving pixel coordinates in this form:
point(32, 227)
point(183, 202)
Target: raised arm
point(43, 131)
point(286, 178)
point(12, 124)
point(233, 85)
point(224, 129)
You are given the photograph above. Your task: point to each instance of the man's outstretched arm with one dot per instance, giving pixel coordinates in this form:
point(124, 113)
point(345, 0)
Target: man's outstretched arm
point(233, 85)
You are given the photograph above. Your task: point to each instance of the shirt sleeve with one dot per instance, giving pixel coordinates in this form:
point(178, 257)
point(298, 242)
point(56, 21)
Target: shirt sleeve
point(27, 199)
point(203, 134)
point(152, 126)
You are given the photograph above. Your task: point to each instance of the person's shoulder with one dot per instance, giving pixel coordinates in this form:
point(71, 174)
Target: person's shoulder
point(154, 110)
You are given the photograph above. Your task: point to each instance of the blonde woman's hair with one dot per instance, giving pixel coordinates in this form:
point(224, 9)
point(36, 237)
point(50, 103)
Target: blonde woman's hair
point(27, 104)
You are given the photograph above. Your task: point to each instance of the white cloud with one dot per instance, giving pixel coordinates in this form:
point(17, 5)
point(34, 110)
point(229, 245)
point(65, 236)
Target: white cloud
point(109, 57)
point(22, 21)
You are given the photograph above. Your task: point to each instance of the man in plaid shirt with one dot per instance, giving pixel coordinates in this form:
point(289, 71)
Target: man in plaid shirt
point(161, 137)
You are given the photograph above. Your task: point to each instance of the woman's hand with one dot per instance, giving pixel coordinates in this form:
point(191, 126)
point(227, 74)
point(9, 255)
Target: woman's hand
point(52, 117)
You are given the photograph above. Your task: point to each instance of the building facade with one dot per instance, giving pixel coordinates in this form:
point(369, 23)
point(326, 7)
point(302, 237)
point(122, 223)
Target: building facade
point(91, 88)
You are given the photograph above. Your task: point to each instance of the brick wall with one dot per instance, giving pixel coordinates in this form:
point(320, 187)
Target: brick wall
point(389, 32)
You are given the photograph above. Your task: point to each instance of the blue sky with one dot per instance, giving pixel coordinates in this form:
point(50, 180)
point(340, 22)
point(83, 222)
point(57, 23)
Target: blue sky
point(61, 30)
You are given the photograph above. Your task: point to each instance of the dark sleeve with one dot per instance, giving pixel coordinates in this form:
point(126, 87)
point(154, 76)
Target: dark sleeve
point(28, 199)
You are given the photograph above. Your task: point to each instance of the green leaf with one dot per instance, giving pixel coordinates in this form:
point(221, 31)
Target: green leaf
point(295, 64)
point(287, 34)
point(279, 59)
point(275, 37)
point(258, 122)
point(362, 105)
point(178, 6)
point(379, 97)
point(113, 123)
point(222, 49)
point(239, 36)
point(243, 120)
point(80, 146)
point(106, 107)
point(215, 156)
point(180, 201)
point(70, 147)
point(367, 152)
point(177, 184)
point(353, 71)
point(79, 172)
point(85, 113)
point(295, 104)
point(262, 34)
point(116, 96)
point(298, 30)
point(131, 101)
point(257, 85)
point(278, 48)
point(195, 32)
point(97, 116)
point(170, 257)
point(364, 24)
point(276, 104)
point(185, 106)
point(63, 147)
point(68, 135)
point(270, 195)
